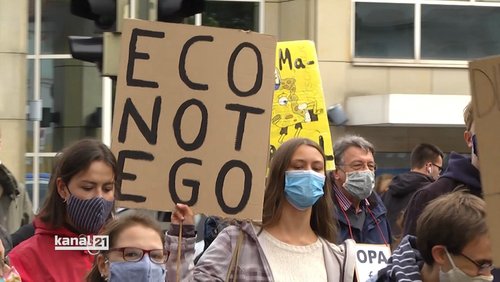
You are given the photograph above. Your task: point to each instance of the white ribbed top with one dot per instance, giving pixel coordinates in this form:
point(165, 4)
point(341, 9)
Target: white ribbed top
point(293, 263)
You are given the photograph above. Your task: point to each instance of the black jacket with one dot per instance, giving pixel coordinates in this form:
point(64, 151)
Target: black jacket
point(401, 189)
point(460, 172)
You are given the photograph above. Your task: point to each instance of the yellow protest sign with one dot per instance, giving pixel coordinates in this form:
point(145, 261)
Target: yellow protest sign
point(298, 104)
point(191, 118)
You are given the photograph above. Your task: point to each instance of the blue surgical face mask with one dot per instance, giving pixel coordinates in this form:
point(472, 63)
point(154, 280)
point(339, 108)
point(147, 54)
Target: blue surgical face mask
point(303, 187)
point(143, 270)
point(360, 184)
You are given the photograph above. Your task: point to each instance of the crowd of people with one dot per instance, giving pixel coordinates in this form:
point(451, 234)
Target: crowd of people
point(434, 221)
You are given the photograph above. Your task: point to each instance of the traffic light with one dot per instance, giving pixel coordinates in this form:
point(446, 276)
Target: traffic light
point(175, 11)
point(102, 12)
point(107, 14)
point(88, 49)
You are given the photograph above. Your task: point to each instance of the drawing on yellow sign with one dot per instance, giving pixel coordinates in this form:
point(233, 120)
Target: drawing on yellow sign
point(298, 104)
point(290, 111)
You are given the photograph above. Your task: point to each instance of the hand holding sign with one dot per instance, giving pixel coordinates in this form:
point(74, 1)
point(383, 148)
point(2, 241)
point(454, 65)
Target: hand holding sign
point(182, 213)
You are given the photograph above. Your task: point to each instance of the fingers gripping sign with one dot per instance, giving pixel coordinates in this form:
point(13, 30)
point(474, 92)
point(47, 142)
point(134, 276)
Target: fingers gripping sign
point(182, 214)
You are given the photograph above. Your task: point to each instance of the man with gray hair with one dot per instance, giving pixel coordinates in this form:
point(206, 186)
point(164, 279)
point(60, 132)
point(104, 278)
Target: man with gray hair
point(360, 213)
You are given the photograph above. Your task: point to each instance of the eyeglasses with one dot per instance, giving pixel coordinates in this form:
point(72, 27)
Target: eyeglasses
point(135, 254)
point(440, 168)
point(483, 268)
point(360, 165)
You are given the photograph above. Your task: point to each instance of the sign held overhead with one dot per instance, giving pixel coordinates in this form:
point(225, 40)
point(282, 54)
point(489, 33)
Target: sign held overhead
point(191, 118)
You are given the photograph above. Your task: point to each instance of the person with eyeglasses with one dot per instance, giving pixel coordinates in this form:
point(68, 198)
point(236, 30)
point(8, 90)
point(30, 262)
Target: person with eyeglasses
point(452, 244)
point(426, 164)
point(136, 252)
point(461, 172)
point(360, 213)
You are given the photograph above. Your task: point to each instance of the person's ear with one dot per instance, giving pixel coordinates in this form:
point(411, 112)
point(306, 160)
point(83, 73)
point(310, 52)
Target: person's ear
point(335, 174)
point(468, 138)
point(102, 265)
point(61, 188)
point(439, 255)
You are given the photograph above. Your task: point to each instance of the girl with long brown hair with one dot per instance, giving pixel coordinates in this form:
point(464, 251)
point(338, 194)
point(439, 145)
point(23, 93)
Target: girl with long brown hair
point(295, 241)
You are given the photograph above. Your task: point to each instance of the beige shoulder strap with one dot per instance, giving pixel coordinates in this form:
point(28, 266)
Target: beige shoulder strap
point(233, 265)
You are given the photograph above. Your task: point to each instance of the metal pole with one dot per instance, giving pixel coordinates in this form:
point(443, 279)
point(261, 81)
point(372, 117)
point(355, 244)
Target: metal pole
point(36, 96)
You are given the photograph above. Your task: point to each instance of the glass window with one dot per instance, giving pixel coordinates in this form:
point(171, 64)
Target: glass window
point(384, 30)
point(239, 15)
point(459, 32)
point(31, 27)
point(71, 97)
point(44, 177)
point(58, 23)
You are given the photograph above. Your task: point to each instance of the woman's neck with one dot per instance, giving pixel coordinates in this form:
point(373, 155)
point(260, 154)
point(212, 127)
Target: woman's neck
point(293, 227)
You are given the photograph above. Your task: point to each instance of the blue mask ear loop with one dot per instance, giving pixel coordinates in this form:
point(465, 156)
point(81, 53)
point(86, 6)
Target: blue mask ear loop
point(378, 226)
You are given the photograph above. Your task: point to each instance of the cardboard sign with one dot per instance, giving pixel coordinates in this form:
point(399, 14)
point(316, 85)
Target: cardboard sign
point(370, 258)
point(298, 104)
point(191, 118)
point(485, 87)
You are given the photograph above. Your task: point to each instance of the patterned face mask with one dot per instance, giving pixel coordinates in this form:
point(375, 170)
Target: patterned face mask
point(88, 216)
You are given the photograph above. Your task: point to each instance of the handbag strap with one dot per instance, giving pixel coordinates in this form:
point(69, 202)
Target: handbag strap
point(233, 265)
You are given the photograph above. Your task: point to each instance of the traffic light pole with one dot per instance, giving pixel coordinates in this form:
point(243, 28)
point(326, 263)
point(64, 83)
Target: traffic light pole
point(105, 51)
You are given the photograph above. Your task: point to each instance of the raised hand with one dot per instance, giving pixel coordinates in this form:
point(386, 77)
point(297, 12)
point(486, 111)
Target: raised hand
point(182, 213)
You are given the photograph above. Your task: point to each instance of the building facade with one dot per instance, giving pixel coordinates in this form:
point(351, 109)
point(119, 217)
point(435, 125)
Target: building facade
point(369, 52)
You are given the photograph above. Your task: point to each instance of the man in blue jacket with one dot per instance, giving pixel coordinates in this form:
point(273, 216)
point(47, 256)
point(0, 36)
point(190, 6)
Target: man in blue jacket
point(461, 173)
point(360, 213)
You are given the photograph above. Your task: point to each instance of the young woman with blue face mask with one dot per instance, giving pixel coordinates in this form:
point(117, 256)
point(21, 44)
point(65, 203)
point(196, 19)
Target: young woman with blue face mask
point(80, 201)
point(294, 241)
point(135, 253)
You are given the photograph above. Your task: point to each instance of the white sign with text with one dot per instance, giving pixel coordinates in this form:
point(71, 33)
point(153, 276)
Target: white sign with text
point(370, 258)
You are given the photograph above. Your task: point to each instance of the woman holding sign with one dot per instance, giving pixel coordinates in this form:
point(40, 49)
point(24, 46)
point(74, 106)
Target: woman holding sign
point(295, 241)
point(80, 201)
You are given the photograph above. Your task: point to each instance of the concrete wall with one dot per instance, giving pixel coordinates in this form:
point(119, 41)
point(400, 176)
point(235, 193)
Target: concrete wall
point(328, 23)
point(13, 48)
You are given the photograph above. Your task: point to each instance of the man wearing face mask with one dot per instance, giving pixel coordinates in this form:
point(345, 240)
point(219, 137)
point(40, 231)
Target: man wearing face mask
point(360, 213)
point(461, 173)
point(452, 244)
point(426, 164)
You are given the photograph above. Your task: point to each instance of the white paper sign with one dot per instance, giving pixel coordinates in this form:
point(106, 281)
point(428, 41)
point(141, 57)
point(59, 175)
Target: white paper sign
point(370, 258)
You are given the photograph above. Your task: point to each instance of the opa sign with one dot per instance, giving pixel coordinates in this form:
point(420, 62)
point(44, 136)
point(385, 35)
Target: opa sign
point(191, 118)
point(370, 259)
